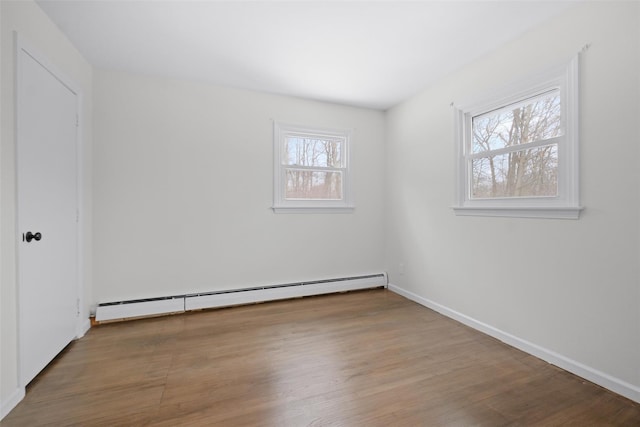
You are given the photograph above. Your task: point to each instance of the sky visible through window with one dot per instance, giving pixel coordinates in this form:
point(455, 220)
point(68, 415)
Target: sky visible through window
point(312, 152)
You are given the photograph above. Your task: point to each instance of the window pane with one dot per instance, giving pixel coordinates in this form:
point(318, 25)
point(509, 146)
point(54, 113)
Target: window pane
point(312, 152)
point(318, 185)
point(523, 173)
point(527, 122)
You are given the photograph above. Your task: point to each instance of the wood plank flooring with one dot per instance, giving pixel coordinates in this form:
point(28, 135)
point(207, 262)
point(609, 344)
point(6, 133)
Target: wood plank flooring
point(369, 358)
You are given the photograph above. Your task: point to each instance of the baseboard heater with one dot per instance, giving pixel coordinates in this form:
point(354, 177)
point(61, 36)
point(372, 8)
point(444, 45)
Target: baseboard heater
point(203, 300)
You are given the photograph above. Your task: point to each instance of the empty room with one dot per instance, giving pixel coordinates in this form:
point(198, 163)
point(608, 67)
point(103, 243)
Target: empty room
point(331, 213)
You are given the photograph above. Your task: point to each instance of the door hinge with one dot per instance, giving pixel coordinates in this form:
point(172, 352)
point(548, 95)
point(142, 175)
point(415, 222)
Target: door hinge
point(78, 307)
point(77, 120)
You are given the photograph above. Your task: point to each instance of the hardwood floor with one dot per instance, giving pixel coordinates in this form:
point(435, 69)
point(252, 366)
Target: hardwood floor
point(368, 358)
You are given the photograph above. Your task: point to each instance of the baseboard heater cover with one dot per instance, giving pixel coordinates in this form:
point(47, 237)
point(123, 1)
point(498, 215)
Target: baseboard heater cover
point(197, 301)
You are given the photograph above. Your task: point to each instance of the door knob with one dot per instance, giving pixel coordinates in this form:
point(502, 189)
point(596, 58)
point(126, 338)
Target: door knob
point(30, 236)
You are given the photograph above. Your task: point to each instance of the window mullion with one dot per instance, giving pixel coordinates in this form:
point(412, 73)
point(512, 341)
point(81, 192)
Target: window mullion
point(313, 168)
point(514, 148)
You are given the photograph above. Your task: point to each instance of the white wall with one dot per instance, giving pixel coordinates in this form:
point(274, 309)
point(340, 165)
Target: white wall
point(182, 186)
point(569, 287)
point(34, 26)
point(183, 189)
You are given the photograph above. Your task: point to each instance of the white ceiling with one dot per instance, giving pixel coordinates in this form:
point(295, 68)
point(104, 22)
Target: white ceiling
point(364, 53)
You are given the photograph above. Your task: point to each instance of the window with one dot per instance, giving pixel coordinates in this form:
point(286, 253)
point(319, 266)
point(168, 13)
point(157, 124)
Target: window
point(517, 150)
point(311, 169)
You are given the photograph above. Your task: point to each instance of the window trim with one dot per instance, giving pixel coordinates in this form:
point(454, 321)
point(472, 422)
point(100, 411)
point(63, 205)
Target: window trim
point(280, 203)
point(566, 204)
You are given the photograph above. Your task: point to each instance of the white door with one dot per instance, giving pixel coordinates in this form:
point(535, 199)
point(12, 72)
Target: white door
point(47, 215)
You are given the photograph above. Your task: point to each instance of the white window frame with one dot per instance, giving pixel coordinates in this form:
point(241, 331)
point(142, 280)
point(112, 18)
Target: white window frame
point(282, 205)
point(566, 204)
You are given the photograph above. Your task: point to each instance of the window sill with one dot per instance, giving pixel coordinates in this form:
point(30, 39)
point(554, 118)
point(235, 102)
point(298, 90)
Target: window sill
point(551, 212)
point(313, 209)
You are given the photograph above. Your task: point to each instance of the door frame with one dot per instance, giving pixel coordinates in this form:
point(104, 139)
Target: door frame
point(20, 45)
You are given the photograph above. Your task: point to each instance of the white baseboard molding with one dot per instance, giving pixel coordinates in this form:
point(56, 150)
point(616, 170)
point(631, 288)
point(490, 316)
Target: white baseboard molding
point(18, 394)
point(607, 381)
point(83, 327)
point(10, 403)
